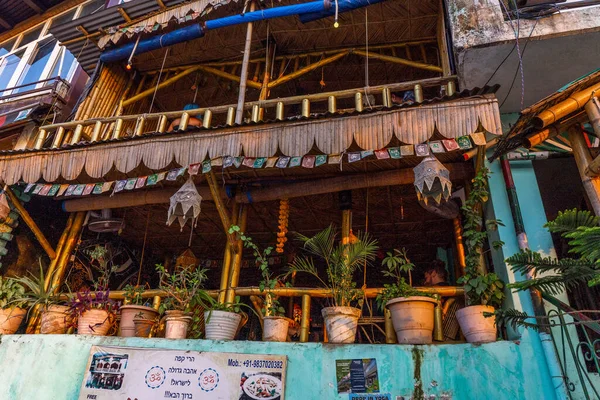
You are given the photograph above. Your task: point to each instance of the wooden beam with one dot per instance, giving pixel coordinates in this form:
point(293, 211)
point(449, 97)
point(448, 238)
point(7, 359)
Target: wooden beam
point(5, 23)
point(161, 4)
point(161, 85)
point(35, 6)
point(592, 109)
point(306, 69)
point(30, 223)
point(458, 171)
point(398, 60)
point(227, 75)
point(582, 159)
point(126, 17)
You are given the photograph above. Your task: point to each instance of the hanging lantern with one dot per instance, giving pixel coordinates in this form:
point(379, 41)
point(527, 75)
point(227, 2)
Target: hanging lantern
point(185, 204)
point(186, 260)
point(432, 180)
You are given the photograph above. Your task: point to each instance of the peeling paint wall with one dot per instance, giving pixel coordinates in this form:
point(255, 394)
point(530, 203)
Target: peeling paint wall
point(51, 367)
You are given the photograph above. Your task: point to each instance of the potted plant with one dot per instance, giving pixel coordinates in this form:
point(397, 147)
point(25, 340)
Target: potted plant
point(95, 313)
point(275, 324)
point(222, 320)
point(483, 291)
point(411, 310)
point(341, 261)
point(54, 314)
point(133, 306)
point(184, 289)
point(11, 311)
point(143, 325)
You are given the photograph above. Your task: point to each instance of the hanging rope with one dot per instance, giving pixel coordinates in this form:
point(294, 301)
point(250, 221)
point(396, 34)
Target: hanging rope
point(143, 250)
point(367, 59)
point(158, 80)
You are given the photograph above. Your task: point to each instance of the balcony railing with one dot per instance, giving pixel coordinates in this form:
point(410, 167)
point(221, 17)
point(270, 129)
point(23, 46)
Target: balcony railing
point(99, 129)
point(52, 86)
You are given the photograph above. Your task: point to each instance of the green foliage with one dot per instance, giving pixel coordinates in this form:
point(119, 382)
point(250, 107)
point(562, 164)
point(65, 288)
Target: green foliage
point(397, 262)
point(10, 293)
point(184, 288)
point(514, 318)
point(102, 262)
point(341, 261)
point(581, 230)
point(36, 292)
point(480, 289)
point(272, 306)
point(133, 294)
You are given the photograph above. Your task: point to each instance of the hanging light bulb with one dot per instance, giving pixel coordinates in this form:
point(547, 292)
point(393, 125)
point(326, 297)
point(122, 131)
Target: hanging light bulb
point(130, 59)
point(432, 180)
point(336, 24)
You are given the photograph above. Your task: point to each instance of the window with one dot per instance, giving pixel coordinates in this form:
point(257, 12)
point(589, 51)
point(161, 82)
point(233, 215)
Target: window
point(63, 18)
point(8, 67)
point(31, 36)
point(37, 63)
point(92, 7)
point(6, 47)
point(63, 65)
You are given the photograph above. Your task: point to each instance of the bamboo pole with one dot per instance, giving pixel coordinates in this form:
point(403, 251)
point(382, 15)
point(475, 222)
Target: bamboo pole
point(305, 70)
point(234, 277)
point(583, 159)
point(218, 199)
point(592, 108)
point(161, 85)
point(229, 76)
point(398, 60)
point(30, 223)
point(305, 321)
point(390, 333)
point(228, 260)
point(59, 249)
point(69, 246)
point(239, 113)
point(573, 103)
point(348, 182)
point(460, 247)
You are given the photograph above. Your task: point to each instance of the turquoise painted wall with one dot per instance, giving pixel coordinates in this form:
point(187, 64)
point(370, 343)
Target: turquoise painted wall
point(51, 367)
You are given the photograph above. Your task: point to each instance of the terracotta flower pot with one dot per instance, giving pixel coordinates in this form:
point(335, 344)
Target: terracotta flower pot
point(341, 323)
point(412, 318)
point(10, 319)
point(475, 326)
point(55, 320)
point(221, 325)
point(177, 323)
point(95, 322)
point(275, 329)
point(143, 327)
point(128, 312)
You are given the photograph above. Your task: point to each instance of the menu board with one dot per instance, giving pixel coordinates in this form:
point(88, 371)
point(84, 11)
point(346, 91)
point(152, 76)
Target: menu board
point(357, 376)
point(127, 373)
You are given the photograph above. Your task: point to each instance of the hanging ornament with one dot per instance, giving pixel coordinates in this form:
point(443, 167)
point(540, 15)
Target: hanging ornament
point(432, 180)
point(185, 204)
point(284, 214)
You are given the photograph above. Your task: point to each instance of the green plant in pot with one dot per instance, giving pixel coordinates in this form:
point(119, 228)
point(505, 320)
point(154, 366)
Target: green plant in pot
point(411, 310)
point(185, 292)
point(483, 291)
point(12, 312)
point(95, 312)
point(134, 304)
point(143, 325)
point(340, 262)
point(275, 324)
point(45, 300)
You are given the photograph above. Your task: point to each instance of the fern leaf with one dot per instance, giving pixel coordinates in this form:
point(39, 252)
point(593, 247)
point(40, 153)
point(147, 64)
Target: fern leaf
point(570, 220)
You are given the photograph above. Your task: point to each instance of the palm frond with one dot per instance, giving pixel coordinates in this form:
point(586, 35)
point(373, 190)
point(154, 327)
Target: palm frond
point(585, 241)
point(556, 284)
point(570, 220)
point(322, 244)
point(528, 261)
point(514, 319)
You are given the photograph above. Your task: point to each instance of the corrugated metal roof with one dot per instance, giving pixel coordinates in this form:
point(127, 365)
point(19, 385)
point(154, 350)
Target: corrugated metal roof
point(14, 12)
point(86, 51)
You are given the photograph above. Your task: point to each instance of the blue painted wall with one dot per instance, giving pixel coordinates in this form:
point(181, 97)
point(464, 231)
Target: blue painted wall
point(51, 367)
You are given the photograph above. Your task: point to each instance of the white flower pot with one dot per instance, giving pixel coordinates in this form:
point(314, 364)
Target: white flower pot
point(476, 327)
point(275, 329)
point(341, 323)
point(412, 318)
point(177, 323)
point(55, 320)
point(10, 319)
point(94, 322)
point(221, 325)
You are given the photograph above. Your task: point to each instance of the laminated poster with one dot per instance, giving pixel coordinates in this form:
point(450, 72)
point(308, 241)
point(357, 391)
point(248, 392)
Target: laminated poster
point(357, 376)
point(134, 373)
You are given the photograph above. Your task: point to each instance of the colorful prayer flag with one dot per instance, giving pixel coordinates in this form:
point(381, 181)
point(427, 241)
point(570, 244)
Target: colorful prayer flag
point(88, 189)
point(259, 162)
point(45, 189)
point(194, 168)
point(37, 188)
point(98, 188)
point(464, 142)
point(70, 190)
point(282, 162)
point(295, 162)
point(62, 190)
point(248, 162)
point(422, 149)
point(172, 175)
point(478, 138)
point(366, 153)
point(320, 160)
point(152, 180)
point(335, 159)
point(216, 162)
point(354, 156)
point(436, 146)
point(206, 167)
point(450, 144)
point(271, 161)
point(130, 185)
point(141, 181)
point(382, 154)
point(53, 190)
point(78, 190)
point(237, 161)
point(407, 150)
point(308, 161)
point(227, 162)
point(29, 187)
point(395, 152)
point(120, 185)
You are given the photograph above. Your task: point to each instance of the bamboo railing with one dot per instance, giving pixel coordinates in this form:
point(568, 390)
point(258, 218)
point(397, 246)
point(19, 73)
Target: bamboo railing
point(70, 133)
point(306, 294)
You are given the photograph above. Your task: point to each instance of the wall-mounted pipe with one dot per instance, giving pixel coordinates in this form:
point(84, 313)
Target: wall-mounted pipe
point(307, 12)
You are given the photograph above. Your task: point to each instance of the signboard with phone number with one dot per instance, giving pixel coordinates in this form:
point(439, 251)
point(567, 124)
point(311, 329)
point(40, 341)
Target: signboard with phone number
point(136, 373)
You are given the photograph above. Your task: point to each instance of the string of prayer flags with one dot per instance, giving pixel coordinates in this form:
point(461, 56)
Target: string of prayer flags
point(450, 144)
point(321, 159)
point(259, 162)
point(422, 149)
point(478, 138)
point(271, 161)
point(366, 153)
point(308, 161)
point(436, 146)
point(283, 162)
point(141, 182)
point(206, 167)
point(248, 162)
point(382, 154)
point(407, 150)
point(194, 169)
point(295, 162)
point(335, 159)
point(395, 152)
point(464, 142)
point(354, 156)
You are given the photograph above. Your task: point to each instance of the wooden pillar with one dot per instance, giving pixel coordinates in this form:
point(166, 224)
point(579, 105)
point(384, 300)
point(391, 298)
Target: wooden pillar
point(460, 247)
point(583, 158)
point(69, 245)
point(239, 114)
point(238, 249)
point(59, 249)
point(30, 223)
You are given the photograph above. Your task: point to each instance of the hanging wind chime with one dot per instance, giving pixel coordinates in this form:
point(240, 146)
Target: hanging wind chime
point(284, 214)
point(432, 181)
point(185, 205)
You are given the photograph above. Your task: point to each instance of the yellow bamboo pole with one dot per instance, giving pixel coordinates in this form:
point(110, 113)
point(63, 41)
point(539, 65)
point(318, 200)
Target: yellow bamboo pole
point(460, 247)
point(305, 321)
point(573, 103)
point(223, 213)
point(306, 69)
point(390, 333)
point(161, 85)
point(231, 77)
point(59, 249)
point(398, 60)
point(592, 108)
point(69, 246)
point(30, 222)
point(236, 267)
point(228, 260)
